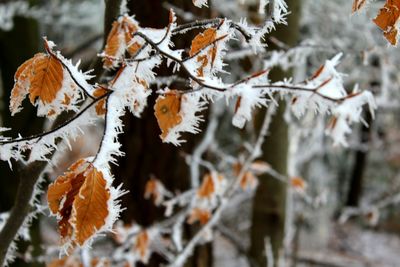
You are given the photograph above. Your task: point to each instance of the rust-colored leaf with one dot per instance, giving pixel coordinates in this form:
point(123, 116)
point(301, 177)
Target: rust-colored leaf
point(73, 261)
point(65, 262)
point(90, 208)
point(130, 29)
point(201, 215)
point(21, 78)
point(101, 105)
point(142, 245)
point(120, 39)
point(79, 199)
point(41, 77)
point(387, 20)
point(46, 80)
point(153, 190)
point(207, 188)
point(259, 167)
point(113, 44)
point(202, 40)
point(248, 181)
point(357, 5)
point(167, 110)
point(298, 183)
point(209, 185)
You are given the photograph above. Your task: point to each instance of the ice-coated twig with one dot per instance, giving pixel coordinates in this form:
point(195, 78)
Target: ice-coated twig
point(230, 191)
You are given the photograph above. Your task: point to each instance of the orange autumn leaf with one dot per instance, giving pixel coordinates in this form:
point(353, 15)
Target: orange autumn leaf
point(120, 39)
point(46, 80)
point(41, 77)
point(203, 40)
point(387, 20)
point(155, 189)
point(142, 245)
point(200, 42)
point(248, 181)
point(207, 188)
point(79, 199)
point(65, 262)
point(130, 29)
point(200, 215)
point(90, 208)
point(298, 183)
point(101, 105)
point(21, 78)
point(259, 167)
point(357, 5)
point(113, 44)
point(72, 261)
point(167, 110)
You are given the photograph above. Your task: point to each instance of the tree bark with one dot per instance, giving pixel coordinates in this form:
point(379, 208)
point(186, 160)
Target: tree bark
point(360, 164)
point(269, 204)
point(16, 46)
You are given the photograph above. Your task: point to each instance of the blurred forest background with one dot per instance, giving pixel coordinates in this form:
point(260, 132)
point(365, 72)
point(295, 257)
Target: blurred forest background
point(348, 214)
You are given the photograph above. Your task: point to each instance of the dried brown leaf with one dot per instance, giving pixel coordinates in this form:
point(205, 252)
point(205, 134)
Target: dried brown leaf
point(167, 110)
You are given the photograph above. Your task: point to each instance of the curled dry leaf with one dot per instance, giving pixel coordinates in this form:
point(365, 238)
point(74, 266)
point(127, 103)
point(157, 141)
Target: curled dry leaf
point(259, 167)
point(121, 39)
point(387, 20)
point(73, 261)
point(41, 77)
point(298, 183)
point(142, 246)
point(357, 5)
point(79, 200)
point(200, 42)
point(167, 110)
point(248, 181)
point(209, 185)
point(207, 188)
point(154, 190)
point(200, 215)
point(101, 105)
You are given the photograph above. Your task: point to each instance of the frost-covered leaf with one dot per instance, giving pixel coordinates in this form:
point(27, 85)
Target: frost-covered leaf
point(74, 261)
point(79, 199)
point(357, 5)
point(120, 39)
point(298, 183)
point(200, 215)
point(142, 246)
point(348, 112)
point(201, 41)
point(210, 186)
point(47, 79)
point(248, 181)
point(167, 112)
point(200, 3)
point(101, 105)
point(41, 77)
point(155, 189)
point(184, 118)
point(387, 20)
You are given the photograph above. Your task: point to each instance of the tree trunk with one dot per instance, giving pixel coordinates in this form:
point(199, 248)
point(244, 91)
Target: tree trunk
point(16, 46)
point(146, 155)
point(360, 163)
point(269, 204)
